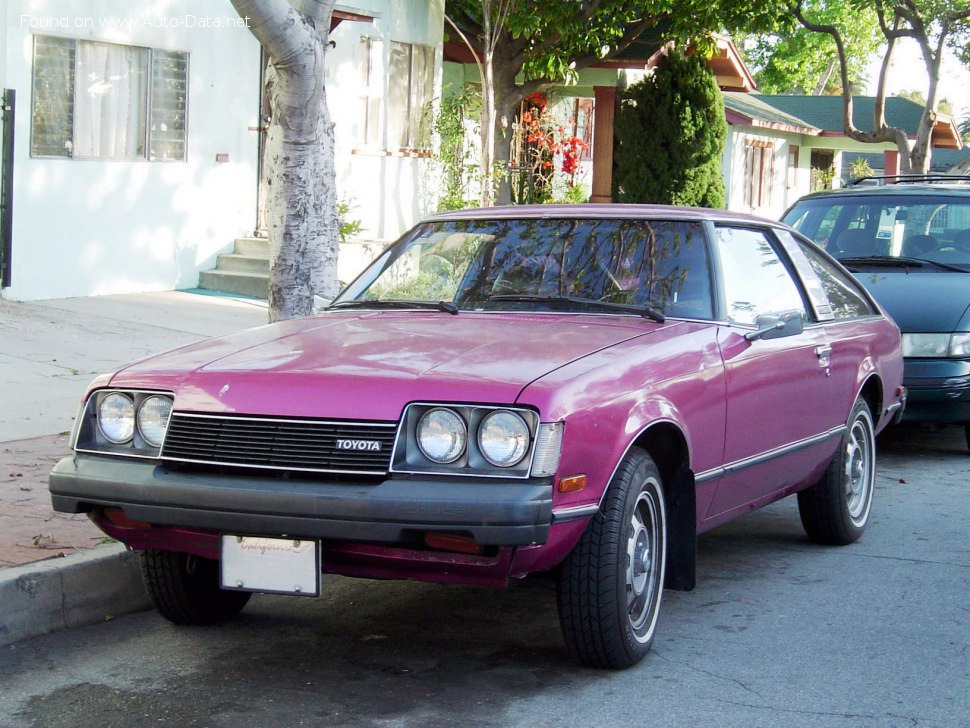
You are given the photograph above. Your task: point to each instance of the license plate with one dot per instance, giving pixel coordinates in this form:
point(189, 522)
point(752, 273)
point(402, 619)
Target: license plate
point(271, 565)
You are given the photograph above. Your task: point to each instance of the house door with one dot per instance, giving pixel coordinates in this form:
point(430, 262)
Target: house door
point(6, 185)
point(823, 169)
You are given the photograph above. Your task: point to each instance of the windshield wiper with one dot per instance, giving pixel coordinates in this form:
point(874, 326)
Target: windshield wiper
point(901, 261)
point(445, 306)
point(646, 311)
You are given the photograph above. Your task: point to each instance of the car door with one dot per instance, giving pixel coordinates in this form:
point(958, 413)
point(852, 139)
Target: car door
point(778, 389)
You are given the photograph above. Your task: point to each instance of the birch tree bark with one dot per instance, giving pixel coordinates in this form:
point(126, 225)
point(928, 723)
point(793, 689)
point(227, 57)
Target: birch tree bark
point(301, 205)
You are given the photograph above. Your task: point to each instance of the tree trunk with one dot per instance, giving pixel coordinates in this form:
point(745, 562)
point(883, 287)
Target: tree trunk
point(922, 152)
point(301, 206)
point(488, 130)
point(507, 96)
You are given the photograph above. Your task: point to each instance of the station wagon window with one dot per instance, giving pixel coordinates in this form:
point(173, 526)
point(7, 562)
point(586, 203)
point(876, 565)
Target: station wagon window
point(93, 100)
point(756, 281)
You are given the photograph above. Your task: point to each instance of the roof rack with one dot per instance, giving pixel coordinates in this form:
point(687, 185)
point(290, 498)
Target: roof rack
point(907, 178)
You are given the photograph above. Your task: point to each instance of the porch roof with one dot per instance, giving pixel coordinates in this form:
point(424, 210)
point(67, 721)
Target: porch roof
point(825, 113)
point(750, 110)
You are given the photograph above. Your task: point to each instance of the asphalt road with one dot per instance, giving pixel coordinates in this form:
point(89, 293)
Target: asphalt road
point(779, 632)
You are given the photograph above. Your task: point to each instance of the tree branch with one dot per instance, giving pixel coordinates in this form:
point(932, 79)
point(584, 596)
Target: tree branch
point(831, 30)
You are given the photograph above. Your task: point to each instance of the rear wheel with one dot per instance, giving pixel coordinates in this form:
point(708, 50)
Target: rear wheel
point(835, 510)
point(966, 431)
point(185, 588)
point(610, 585)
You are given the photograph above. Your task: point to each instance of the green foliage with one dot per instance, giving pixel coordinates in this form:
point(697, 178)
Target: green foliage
point(456, 168)
point(964, 127)
point(670, 133)
point(797, 60)
point(556, 34)
point(348, 227)
point(860, 168)
point(572, 195)
point(822, 178)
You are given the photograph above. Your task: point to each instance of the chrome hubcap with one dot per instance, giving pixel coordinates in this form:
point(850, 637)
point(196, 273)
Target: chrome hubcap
point(643, 561)
point(859, 472)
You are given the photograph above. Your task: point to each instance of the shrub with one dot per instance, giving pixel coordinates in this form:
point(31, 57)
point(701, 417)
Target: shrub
point(670, 133)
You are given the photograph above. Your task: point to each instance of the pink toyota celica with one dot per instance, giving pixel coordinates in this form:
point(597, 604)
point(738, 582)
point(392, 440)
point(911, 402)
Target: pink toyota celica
point(504, 391)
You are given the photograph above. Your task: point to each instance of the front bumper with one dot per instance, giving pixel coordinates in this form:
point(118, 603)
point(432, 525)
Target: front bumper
point(938, 390)
point(398, 510)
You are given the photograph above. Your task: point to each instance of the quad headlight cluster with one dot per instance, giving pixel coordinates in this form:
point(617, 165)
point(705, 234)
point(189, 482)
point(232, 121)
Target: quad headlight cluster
point(124, 422)
point(476, 440)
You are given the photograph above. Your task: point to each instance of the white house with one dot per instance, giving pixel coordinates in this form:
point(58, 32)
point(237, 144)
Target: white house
point(780, 147)
point(136, 134)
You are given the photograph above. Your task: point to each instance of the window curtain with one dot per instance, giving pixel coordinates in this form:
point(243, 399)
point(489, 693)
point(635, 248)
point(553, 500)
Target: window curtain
point(110, 101)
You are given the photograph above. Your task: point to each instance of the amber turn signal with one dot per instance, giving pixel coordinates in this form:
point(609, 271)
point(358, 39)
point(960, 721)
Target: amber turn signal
point(572, 483)
point(452, 542)
point(118, 517)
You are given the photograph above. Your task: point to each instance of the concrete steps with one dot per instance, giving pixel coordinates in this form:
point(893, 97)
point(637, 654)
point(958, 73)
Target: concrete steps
point(245, 271)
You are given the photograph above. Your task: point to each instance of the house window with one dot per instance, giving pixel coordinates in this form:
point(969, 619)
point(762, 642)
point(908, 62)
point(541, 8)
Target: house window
point(792, 166)
point(107, 101)
point(370, 62)
point(409, 93)
point(759, 168)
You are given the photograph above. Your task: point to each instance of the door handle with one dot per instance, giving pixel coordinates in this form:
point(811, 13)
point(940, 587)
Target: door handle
point(824, 352)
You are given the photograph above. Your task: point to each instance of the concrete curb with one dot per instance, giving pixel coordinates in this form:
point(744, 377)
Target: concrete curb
point(80, 589)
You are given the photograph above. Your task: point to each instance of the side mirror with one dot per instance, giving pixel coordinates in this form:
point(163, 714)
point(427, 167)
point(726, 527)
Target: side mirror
point(777, 326)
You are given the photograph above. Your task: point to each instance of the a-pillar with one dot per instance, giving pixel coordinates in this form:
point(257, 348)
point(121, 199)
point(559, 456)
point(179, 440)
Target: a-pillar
point(604, 104)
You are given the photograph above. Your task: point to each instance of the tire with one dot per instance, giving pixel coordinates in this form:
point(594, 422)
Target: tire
point(185, 588)
point(835, 510)
point(611, 583)
point(966, 432)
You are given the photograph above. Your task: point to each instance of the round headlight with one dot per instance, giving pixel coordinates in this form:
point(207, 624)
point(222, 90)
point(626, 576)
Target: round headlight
point(116, 418)
point(152, 419)
point(441, 435)
point(503, 438)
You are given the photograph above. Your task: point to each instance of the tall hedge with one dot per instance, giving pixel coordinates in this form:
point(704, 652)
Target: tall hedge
point(669, 134)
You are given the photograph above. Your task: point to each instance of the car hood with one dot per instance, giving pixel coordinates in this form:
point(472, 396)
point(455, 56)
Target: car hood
point(370, 365)
point(920, 302)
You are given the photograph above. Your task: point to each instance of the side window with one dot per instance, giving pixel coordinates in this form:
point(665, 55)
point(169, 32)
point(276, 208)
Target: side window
point(845, 298)
point(756, 281)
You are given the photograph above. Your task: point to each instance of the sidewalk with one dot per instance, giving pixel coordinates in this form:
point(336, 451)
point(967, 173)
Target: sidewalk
point(49, 352)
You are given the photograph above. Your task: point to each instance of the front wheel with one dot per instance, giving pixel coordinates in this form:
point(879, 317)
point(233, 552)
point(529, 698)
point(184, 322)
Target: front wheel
point(835, 510)
point(185, 588)
point(610, 585)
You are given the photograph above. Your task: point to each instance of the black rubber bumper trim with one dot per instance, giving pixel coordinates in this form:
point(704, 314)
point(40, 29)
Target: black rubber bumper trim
point(494, 512)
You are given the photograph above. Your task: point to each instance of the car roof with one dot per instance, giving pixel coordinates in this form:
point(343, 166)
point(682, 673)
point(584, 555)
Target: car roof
point(908, 189)
point(600, 211)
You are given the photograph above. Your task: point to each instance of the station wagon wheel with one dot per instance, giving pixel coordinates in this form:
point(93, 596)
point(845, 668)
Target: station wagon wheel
point(185, 588)
point(611, 584)
point(836, 510)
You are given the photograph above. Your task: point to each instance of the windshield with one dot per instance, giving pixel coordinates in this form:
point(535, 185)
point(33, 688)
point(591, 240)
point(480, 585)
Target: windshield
point(933, 228)
point(542, 264)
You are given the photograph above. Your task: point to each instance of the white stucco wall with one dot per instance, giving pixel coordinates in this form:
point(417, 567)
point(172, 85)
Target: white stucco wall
point(388, 192)
point(732, 169)
point(85, 227)
point(786, 188)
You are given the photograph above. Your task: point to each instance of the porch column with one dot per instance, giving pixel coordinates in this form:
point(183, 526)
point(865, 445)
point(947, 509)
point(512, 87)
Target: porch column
point(605, 101)
point(890, 162)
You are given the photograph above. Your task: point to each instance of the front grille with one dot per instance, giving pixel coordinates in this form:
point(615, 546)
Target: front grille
point(279, 444)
